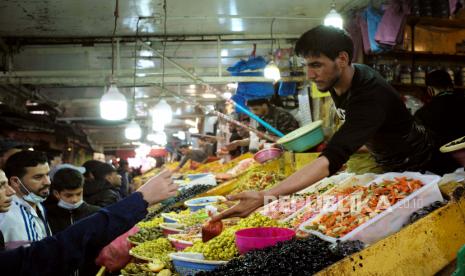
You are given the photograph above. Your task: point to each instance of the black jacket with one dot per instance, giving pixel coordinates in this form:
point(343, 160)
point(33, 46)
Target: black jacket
point(374, 115)
point(100, 193)
point(59, 219)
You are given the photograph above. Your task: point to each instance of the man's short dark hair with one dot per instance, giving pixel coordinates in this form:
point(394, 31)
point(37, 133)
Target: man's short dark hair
point(326, 40)
point(91, 167)
point(67, 179)
point(103, 170)
point(52, 154)
point(184, 146)
point(8, 144)
point(439, 79)
point(17, 163)
point(256, 102)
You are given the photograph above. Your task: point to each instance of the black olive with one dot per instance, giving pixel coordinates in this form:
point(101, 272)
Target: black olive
point(294, 257)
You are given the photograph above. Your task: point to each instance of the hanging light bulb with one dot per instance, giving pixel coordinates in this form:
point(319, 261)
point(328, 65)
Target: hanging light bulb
point(272, 71)
point(113, 105)
point(227, 95)
point(181, 135)
point(158, 138)
point(157, 125)
point(333, 18)
point(178, 111)
point(163, 112)
point(193, 130)
point(133, 131)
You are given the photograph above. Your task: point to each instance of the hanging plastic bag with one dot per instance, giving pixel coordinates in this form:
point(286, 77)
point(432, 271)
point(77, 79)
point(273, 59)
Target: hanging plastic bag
point(287, 88)
point(115, 256)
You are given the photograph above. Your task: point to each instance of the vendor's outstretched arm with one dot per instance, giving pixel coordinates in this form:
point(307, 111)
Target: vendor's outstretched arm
point(303, 178)
point(249, 201)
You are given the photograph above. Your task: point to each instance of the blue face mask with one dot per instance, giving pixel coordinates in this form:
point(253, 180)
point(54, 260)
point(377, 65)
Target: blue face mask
point(69, 206)
point(32, 197)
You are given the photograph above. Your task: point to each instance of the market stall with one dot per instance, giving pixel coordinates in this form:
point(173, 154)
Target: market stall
point(172, 239)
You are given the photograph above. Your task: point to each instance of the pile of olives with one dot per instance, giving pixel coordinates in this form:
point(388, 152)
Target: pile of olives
point(146, 234)
point(156, 249)
point(294, 257)
point(223, 247)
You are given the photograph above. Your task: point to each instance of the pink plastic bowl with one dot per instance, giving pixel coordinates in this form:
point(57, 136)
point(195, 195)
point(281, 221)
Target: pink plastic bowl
point(256, 238)
point(267, 154)
point(180, 245)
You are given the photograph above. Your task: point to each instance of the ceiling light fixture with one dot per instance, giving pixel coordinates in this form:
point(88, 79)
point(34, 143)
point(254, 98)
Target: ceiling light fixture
point(193, 130)
point(227, 95)
point(191, 122)
point(333, 18)
point(271, 69)
point(113, 104)
point(163, 112)
point(145, 53)
point(133, 131)
point(209, 96)
point(232, 85)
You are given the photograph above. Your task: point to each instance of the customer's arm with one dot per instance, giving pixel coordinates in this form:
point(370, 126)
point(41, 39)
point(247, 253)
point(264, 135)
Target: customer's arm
point(64, 252)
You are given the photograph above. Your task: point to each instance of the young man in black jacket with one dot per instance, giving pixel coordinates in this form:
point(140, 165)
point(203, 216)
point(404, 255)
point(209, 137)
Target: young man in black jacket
point(372, 110)
point(69, 206)
point(103, 189)
point(66, 251)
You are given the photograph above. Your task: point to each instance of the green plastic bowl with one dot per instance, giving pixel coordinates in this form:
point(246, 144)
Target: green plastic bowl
point(303, 138)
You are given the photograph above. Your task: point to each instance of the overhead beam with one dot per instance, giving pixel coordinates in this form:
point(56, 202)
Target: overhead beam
point(126, 81)
point(191, 45)
point(124, 39)
point(175, 64)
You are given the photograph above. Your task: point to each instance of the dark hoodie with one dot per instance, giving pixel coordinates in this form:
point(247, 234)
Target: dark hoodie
point(100, 193)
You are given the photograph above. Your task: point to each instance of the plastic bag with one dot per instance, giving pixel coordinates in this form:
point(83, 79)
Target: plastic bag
point(253, 63)
point(211, 229)
point(115, 256)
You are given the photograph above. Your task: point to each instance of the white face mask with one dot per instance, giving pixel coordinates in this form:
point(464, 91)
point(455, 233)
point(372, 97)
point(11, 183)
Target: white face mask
point(32, 197)
point(69, 206)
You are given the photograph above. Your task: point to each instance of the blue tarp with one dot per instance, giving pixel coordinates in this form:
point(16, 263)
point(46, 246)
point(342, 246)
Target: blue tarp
point(287, 88)
point(251, 90)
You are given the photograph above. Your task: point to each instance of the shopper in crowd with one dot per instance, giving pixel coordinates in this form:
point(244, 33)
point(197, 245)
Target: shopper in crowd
point(196, 156)
point(238, 134)
point(206, 146)
point(275, 116)
point(444, 114)
point(27, 173)
point(6, 199)
point(91, 167)
point(103, 190)
point(68, 250)
point(7, 149)
point(69, 205)
point(373, 114)
point(123, 171)
point(54, 158)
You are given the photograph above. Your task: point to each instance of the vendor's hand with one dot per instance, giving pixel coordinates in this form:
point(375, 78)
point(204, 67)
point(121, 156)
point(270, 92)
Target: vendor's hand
point(249, 202)
point(233, 145)
point(158, 188)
